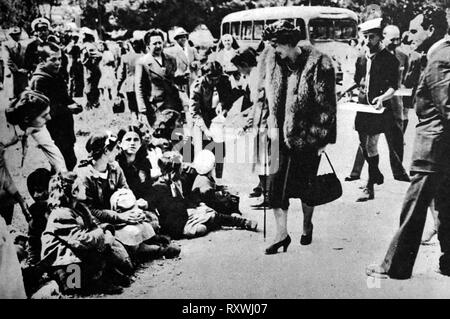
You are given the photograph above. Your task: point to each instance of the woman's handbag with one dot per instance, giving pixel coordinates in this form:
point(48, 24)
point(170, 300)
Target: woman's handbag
point(118, 105)
point(322, 189)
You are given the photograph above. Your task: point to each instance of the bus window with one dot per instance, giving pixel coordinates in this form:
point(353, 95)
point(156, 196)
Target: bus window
point(235, 29)
point(345, 28)
point(269, 22)
point(246, 30)
point(226, 28)
point(300, 23)
point(321, 29)
point(258, 28)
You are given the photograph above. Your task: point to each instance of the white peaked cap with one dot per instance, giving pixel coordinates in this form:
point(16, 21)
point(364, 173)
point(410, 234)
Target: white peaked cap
point(370, 25)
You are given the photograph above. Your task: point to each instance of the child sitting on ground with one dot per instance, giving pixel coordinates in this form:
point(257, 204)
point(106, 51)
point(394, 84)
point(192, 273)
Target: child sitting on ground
point(124, 201)
point(37, 184)
point(205, 188)
point(73, 238)
point(180, 217)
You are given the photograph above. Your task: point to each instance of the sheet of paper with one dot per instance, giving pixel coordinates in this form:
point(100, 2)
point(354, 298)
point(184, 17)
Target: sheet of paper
point(403, 92)
point(357, 107)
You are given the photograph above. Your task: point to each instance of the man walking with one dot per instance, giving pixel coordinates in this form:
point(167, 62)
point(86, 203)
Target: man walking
point(377, 74)
point(394, 131)
point(430, 163)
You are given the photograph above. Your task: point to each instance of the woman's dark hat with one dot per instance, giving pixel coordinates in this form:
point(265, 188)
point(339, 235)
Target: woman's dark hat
point(280, 29)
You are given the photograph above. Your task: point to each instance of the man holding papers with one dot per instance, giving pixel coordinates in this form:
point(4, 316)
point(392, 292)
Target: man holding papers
point(376, 74)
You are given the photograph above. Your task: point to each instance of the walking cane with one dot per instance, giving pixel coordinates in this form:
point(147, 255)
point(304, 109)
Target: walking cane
point(265, 187)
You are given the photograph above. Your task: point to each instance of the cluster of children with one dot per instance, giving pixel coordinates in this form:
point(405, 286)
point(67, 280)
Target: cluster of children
point(121, 207)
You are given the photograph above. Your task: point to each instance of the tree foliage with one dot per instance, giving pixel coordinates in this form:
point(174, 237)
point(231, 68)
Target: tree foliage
point(164, 14)
point(21, 13)
point(398, 12)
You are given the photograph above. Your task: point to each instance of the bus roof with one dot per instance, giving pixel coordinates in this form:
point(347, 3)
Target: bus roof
point(289, 12)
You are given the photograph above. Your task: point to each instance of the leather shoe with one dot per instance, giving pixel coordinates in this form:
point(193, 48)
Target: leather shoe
point(368, 194)
point(351, 178)
point(256, 193)
point(306, 239)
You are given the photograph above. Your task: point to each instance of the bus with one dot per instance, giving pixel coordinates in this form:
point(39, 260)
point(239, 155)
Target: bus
point(328, 29)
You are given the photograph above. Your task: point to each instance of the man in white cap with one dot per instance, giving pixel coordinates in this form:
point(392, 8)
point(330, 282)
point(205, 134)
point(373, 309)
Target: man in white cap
point(41, 29)
point(377, 74)
point(187, 57)
point(187, 66)
point(15, 60)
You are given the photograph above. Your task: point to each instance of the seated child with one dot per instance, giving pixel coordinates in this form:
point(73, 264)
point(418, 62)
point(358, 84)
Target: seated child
point(180, 217)
point(205, 188)
point(140, 237)
point(37, 183)
point(72, 237)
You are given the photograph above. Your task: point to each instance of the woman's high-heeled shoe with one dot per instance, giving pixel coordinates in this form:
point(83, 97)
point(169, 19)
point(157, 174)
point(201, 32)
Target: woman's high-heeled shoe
point(274, 248)
point(307, 239)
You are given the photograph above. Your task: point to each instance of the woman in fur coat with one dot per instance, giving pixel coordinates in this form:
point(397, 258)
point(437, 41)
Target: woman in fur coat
point(300, 91)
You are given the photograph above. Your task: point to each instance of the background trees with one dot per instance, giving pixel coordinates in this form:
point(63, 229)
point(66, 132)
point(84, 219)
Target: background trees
point(144, 14)
point(13, 12)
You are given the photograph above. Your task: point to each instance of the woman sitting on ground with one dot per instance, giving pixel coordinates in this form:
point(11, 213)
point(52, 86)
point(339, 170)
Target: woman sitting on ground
point(180, 217)
point(102, 177)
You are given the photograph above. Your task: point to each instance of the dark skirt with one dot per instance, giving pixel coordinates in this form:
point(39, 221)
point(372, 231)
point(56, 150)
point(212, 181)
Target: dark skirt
point(291, 179)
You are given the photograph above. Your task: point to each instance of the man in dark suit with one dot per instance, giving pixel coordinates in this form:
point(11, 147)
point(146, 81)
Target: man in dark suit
point(430, 167)
point(41, 28)
point(394, 132)
point(15, 50)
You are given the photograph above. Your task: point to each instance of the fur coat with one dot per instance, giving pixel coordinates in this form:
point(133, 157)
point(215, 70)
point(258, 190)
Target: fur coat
point(302, 103)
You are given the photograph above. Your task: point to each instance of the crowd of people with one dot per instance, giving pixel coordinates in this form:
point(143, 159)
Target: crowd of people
point(138, 189)
point(135, 193)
